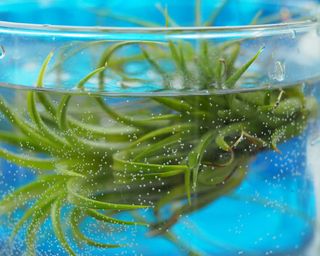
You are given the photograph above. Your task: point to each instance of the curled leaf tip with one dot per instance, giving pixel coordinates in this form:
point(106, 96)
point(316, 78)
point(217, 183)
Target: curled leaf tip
point(276, 149)
point(44, 69)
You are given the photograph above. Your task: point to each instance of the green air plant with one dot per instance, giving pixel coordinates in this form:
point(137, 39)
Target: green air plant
point(186, 149)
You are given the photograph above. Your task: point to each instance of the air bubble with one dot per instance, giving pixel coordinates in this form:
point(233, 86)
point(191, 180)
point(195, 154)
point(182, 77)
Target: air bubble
point(278, 72)
point(2, 52)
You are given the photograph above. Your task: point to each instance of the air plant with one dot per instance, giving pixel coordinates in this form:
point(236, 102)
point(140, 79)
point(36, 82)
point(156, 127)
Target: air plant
point(188, 149)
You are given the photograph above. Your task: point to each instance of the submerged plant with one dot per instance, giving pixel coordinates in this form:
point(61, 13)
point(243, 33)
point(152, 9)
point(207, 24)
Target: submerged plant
point(186, 149)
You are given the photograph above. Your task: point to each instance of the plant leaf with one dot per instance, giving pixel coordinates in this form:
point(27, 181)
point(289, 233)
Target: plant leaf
point(77, 199)
point(75, 222)
point(102, 217)
point(231, 81)
point(57, 228)
point(33, 229)
point(43, 70)
point(195, 156)
point(45, 199)
point(214, 15)
point(23, 160)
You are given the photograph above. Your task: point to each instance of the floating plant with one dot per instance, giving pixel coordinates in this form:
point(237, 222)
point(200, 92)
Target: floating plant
point(95, 169)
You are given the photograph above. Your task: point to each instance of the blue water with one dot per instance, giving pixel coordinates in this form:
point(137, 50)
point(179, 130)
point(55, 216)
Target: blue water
point(253, 218)
point(270, 211)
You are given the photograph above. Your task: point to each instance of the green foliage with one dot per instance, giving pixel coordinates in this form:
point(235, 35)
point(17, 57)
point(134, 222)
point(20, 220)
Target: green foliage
point(88, 168)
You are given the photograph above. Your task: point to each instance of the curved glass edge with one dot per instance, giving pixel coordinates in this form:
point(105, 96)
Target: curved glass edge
point(108, 33)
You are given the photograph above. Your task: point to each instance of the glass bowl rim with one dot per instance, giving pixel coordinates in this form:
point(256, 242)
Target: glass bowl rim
point(182, 32)
point(67, 28)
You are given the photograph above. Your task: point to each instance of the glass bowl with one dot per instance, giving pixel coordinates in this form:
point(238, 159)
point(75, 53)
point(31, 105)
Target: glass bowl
point(159, 127)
